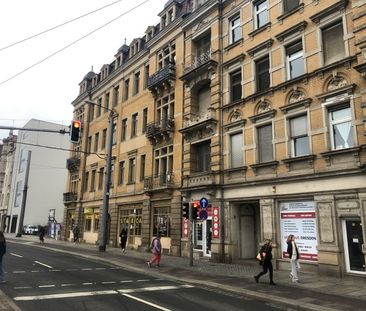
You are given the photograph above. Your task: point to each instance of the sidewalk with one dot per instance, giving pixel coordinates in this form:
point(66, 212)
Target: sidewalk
point(313, 293)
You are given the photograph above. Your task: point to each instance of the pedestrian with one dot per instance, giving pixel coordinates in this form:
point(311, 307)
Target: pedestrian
point(76, 232)
point(42, 232)
point(294, 255)
point(123, 237)
point(2, 253)
point(266, 262)
point(156, 250)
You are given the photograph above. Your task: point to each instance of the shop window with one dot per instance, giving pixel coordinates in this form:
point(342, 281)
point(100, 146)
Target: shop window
point(235, 29)
point(161, 220)
point(340, 119)
point(88, 223)
point(262, 74)
point(265, 144)
point(236, 150)
point(235, 85)
point(294, 60)
point(260, 13)
point(299, 136)
point(333, 43)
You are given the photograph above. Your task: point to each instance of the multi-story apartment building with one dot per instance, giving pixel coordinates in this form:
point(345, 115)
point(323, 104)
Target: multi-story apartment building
point(257, 106)
point(6, 172)
point(46, 178)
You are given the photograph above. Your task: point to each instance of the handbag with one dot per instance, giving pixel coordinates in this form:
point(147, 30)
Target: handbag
point(259, 257)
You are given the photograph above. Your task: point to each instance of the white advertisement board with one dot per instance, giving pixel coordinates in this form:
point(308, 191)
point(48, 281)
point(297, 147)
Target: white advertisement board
point(299, 218)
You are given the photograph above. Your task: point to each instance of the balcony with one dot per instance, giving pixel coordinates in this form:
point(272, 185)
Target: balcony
point(164, 181)
point(162, 78)
point(201, 64)
point(159, 131)
point(73, 164)
point(69, 197)
point(199, 125)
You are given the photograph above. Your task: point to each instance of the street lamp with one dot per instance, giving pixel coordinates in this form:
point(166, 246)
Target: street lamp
point(104, 219)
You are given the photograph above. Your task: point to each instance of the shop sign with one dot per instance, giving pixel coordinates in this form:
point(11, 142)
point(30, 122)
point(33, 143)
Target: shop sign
point(185, 227)
point(215, 223)
point(299, 219)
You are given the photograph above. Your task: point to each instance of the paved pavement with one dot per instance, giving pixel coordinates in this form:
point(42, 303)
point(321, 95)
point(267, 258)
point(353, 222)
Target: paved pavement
point(312, 293)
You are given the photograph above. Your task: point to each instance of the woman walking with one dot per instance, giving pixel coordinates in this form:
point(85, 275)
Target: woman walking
point(123, 237)
point(266, 262)
point(2, 253)
point(294, 255)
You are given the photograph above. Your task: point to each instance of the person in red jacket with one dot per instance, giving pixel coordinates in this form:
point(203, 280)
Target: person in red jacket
point(2, 253)
point(156, 250)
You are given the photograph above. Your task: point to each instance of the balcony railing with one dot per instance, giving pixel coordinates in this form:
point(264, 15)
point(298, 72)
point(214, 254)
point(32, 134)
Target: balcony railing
point(198, 61)
point(163, 75)
point(198, 117)
point(157, 130)
point(159, 182)
point(69, 197)
point(72, 164)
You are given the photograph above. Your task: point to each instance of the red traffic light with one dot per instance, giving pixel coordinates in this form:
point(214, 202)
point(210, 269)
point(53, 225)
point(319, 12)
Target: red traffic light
point(195, 204)
point(75, 131)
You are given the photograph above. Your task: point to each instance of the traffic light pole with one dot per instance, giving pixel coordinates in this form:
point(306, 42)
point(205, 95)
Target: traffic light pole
point(191, 234)
point(104, 220)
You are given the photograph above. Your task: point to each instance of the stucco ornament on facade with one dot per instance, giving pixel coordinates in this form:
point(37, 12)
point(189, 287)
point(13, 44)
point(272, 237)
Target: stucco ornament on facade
point(263, 106)
point(296, 96)
point(235, 115)
point(337, 82)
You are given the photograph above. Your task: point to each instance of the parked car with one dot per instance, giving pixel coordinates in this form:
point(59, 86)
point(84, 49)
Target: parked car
point(30, 229)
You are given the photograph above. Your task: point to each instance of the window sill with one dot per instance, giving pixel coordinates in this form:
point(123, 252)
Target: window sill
point(300, 7)
point(309, 158)
point(234, 44)
point(355, 151)
point(259, 30)
point(271, 164)
point(236, 169)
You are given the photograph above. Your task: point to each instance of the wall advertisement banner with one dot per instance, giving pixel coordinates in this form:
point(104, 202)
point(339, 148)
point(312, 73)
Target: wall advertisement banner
point(299, 218)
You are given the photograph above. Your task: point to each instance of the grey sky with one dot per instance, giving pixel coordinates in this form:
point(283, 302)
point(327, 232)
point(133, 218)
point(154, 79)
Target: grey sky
point(46, 91)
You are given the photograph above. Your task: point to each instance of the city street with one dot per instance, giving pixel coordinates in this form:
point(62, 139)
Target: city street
point(41, 279)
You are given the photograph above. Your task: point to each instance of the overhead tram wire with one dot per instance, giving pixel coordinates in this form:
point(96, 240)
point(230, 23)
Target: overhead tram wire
point(72, 43)
point(57, 26)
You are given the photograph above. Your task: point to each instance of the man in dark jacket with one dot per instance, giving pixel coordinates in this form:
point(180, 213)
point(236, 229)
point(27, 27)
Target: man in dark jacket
point(2, 253)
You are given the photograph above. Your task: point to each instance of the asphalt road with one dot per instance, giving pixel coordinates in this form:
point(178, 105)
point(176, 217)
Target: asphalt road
point(41, 279)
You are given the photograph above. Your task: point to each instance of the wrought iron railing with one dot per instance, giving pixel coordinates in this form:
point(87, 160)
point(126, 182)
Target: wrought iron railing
point(166, 73)
point(72, 164)
point(69, 197)
point(159, 127)
point(161, 181)
point(199, 61)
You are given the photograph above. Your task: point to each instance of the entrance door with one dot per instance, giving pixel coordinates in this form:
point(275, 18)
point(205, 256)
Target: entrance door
point(247, 236)
point(14, 224)
point(202, 235)
point(355, 259)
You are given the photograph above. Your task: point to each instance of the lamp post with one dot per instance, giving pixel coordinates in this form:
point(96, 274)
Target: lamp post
point(104, 220)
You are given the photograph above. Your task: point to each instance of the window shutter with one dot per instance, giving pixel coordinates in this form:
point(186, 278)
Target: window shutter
point(333, 43)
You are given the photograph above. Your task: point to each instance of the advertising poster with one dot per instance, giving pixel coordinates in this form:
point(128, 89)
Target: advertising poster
point(299, 219)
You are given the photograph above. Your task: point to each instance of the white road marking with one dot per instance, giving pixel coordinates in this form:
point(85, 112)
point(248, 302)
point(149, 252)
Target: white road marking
point(18, 271)
point(43, 264)
point(16, 255)
point(71, 270)
point(147, 302)
point(110, 282)
point(143, 280)
point(86, 269)
point(100, 268)
point(70, 284)
point(128, 281)
point(35, 271)
point(88, 283)
point(45, 286)
point(124, 292)
point(22, 287)
point(56, 270)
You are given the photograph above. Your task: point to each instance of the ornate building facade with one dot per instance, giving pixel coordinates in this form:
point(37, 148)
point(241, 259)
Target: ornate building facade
point(257, 106)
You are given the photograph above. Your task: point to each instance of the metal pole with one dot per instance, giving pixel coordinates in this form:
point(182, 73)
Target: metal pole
point(24, 199)
point(104, 220)
point(190, 234)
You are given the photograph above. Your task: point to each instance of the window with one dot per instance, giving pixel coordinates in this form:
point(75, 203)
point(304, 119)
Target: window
point(121, 172)
point(18, 193)
point(96, 222)
point(112, 175)
point(88, 150)
point(132, 220)
point(101, 178)
point(204, 100)
point(99, 107)
point(165, 109)
point(136, 83)
point(123, 129)
point(260, 13)
point(92, 181)
point(262, 72)
point(161, 219)
point(235, 85)
point(294, 60)
point(147, 69)
point(166, 56)
point(203, 47)
point(142, 168)
point(236, 147)
point(115, 96)
point(144, 120)
point(127, 85)
point(265, 148)
point(131, 170)
point(86, 182)
point(202, 157)
point(340, 119)
point(104, 138)
point(88, 223)
point(333, 43)
point(288, 5)
point(91, 112)
point(235, 30)
point(299, 136)
point(96, 142)
point(23, 159)
point(163, 164)
point(114, 129)
point(106, 104)
point(74, 183)
point(134, 125)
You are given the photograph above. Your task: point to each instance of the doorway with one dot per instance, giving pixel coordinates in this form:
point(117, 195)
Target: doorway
point(202, 235)
point(14, 221)
point(353, 244)
point(249, 224)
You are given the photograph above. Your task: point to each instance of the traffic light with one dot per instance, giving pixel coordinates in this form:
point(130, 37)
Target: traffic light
point(185, 210)
point(195, 207)
point(75, 131)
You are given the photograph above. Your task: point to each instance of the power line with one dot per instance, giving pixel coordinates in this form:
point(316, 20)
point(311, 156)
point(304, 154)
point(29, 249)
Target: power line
point(72, 43)
point(57, 26)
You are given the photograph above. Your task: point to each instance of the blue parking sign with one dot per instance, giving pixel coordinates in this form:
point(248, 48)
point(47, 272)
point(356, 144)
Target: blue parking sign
point(203, 203)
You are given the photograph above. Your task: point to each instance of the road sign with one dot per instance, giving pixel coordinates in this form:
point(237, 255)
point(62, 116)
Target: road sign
point(203, 203)
point(203, 214)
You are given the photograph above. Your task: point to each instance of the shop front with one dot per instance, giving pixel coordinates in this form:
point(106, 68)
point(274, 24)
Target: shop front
point(131, 220)
point(91, 225)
